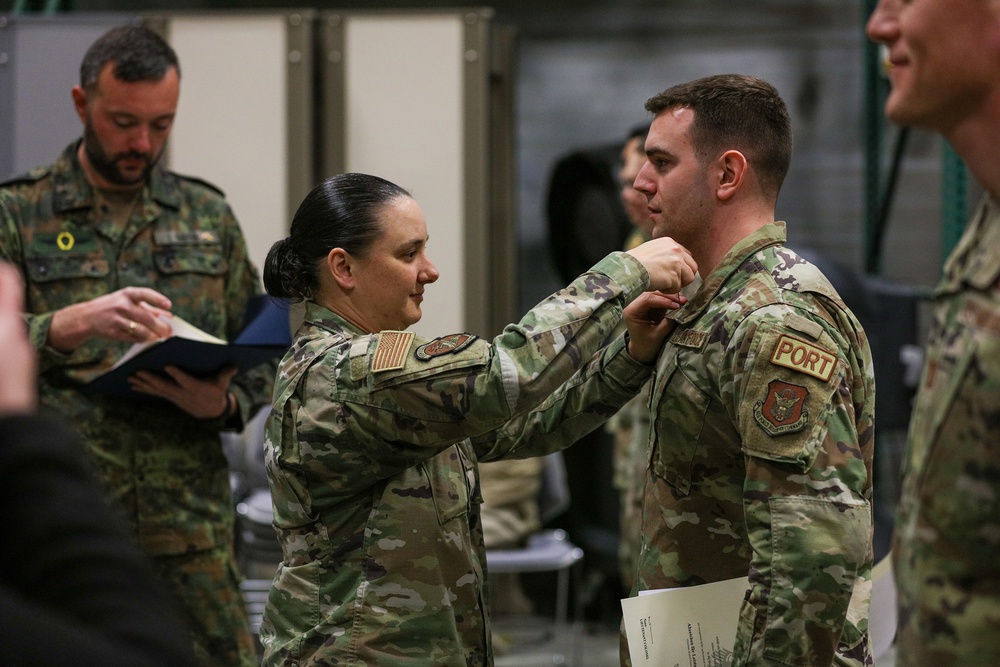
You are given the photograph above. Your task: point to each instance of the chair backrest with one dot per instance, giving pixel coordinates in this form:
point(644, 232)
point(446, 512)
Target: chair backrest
point(253, 435)
point(553, 496)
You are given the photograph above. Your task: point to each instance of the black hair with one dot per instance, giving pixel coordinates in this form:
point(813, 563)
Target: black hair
point(638, 132)
point(735, 111)
point(138, 54)
point(341, 212)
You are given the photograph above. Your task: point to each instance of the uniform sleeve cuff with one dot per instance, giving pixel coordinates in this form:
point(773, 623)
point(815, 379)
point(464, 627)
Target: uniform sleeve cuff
point(627, 271)
point(622, 369)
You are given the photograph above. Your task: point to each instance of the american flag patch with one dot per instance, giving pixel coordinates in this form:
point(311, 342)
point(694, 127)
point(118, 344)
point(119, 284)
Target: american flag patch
point(390, 353)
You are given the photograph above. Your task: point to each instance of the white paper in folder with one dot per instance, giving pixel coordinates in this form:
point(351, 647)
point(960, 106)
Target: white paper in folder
point(696, 626)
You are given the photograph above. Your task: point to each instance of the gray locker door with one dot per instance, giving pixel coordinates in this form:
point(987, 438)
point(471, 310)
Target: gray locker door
point(39, 65)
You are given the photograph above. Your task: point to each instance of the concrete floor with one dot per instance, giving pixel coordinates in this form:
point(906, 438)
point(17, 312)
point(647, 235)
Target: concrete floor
point(534, 642)
point(528, 640)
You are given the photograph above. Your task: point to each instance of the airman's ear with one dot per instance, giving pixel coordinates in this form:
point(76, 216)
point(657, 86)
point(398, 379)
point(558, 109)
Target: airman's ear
point(80, 102)
point(341, 267)
point(733, 169)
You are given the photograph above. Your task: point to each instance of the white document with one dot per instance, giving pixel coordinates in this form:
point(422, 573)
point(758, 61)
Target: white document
point(882, 615)
point(695, 626)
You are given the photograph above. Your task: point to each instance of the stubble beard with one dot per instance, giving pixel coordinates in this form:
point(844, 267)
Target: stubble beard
point(107, 166)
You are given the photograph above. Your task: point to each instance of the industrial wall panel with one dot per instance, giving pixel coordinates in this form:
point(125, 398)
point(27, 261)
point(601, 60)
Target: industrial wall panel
point(405, 95)
point(243, 117)
point(404, 122)
point(39, 65)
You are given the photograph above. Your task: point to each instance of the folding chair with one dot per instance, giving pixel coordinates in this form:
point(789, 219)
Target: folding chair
point(546, 550)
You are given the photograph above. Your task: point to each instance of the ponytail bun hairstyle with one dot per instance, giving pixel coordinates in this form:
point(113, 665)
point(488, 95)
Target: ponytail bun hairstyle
point(341, 212)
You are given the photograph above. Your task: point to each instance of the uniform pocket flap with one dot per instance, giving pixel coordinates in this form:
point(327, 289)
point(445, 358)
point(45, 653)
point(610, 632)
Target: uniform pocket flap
point(678, 409)
point(211, 263)
point(65, 267)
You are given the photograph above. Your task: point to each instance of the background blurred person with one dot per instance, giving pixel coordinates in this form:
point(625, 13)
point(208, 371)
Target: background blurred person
point(73, 588)
point(943, 57)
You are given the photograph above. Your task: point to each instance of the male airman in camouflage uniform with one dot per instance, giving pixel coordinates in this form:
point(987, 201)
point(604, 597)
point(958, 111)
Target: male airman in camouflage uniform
point(103, 233)
point(760, 451)
point(943, 57)
point(372, 451)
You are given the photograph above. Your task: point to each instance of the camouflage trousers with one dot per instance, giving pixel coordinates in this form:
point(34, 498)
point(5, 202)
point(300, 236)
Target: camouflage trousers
point(207, 586)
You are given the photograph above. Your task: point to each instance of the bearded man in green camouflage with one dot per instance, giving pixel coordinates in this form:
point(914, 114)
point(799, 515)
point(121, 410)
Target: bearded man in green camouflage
point(107, 239)
point(762, 402)
point(943, 57)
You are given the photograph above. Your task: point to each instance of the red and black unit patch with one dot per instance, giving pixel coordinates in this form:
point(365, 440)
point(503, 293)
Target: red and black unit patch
point(444, 345)
point(783, 410)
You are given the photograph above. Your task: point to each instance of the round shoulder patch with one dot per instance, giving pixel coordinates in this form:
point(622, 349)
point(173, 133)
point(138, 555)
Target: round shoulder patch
point(444, 345)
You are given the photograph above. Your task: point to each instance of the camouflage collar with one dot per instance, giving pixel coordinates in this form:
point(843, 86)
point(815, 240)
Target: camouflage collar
point(973, 260)
point(318, 316)
point(71, 190)
point(768, 235)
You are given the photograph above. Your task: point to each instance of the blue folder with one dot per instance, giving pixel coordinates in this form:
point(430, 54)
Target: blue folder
point(265, 337)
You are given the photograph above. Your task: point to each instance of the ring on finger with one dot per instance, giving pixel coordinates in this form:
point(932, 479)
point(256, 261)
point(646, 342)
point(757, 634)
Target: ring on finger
point(131, 327)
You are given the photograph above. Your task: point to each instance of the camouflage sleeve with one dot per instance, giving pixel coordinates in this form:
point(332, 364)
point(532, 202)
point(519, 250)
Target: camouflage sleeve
point(11, 250)
point(592, 396)
point(806, 495)
point(460, 387)
point(251, 388)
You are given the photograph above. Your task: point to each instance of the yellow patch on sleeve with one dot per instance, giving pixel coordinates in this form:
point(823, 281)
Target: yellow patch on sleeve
point(804, 357)
point(391, 350)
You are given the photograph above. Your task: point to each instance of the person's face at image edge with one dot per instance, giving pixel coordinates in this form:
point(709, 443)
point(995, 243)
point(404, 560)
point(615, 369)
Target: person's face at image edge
point(937, 57)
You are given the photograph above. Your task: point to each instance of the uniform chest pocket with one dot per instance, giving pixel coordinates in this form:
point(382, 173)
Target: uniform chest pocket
point(66, 267)
point(448, 476)
point(944, 371)
point(958, 454)
point(205, 261)
point(678, 410)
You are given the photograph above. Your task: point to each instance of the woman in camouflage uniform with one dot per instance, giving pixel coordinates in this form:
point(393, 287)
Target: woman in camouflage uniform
point(373, 442)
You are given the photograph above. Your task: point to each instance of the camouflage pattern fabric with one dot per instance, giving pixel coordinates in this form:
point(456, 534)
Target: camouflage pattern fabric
point(163, 469)
point(372, 450)
point(760, 457)
point(208, 586)
point(630, 428)
point(947, 538)
point(509, 512)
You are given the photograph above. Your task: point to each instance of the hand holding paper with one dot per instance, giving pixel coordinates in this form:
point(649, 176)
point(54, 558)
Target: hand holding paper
point(696, 626)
